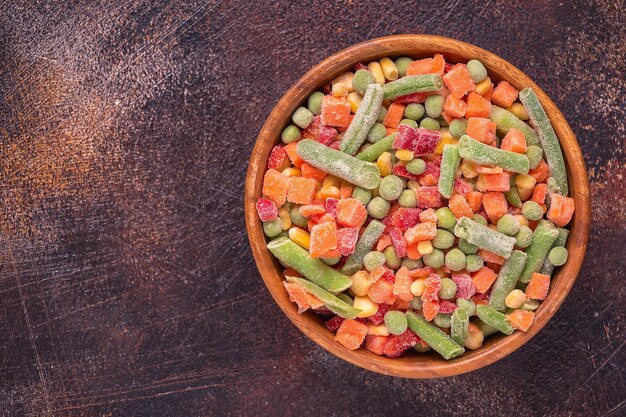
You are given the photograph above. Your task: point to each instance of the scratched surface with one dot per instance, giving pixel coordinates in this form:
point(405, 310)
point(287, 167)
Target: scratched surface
point(126, 284)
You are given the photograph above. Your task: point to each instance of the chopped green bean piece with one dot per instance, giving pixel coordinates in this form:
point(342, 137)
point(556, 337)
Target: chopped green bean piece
point(507, 279)
point(494, 318)
point(434, 337)
point(363, 120)
point(333, 303)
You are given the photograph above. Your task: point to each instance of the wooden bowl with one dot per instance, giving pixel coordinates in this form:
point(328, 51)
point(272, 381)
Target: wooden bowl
point(415, 365)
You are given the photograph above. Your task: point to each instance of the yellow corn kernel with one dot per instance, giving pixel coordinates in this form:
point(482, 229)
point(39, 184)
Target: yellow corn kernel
point(519, 111)
point(404, 154)
point(523, 221)
point(292, 172)
point(425, 247)
point(390, 71)
point(300, 237)
point(285, 218)
point(515, 299)
point(361, 283)
point(329, 192)
point(377, 330)
point(377, 72)
point(331, 180)
point(342, 85)
point(483, 86)
point(474, 338)
point(418, 286)
point(442, 272)
point(468, 169)
point(524, 194)
point(354, 99)
point(384, 164)
point(480, 183)
point(366, 305)
point(445, 140)
point(525, 182)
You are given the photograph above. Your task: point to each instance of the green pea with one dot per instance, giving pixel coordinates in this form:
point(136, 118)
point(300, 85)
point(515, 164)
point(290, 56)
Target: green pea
point(302, 117)
point(315, 102)
point(467, 248)
point(455, 259)
point(477, 70)
point(381, 114)
point(345, 298)
point(416, 166)
point(508, 224)
point(407, 199)
point(331, 261)
point(478, 218)
point(443, 239)
point(396, 322)
point(391, 187)
point(361, 194)
point(458, 127)
point(445, 218)
point(373, 260)
point(362, 78)
point(429, 123)
point(467, 305)
point(376, 133)
point(435, 259)
point(391, 259)
point(524, 237)
point(414, 111)
point(378, 207)
point(412, 263)
point(409, 122)
point(402, 64)
point(534, 154)
point(473, 263)
point(284, 233)
point(443, 320)
point(530, 305)
point(290, 134)
point(448, 289)
point(273, 227)
point(297, 218)
point(434, 105)
point(558, 256)
point(532, 210)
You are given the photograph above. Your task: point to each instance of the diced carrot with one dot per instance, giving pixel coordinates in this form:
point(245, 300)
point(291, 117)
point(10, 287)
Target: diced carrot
point(290, 272)
point(293, 156)
point(430, 308)
point(538, 286)
point(447, 117)
point(303, 299)
point(521, 319)
point(309, 210)
point(390, 131)
point(504, 94)
point(479, 300)
point(301, 190)
point(514, 141)
point(434, 65)
point(335, 111)
point(491, 257)
point(477, 106)
point(483, 279)
point(394, 115)
point(275, 186)
point(401, 304)
point(378, 272)
point(541, 172)
point(455, 107)
point(376, 344)
point(346, 190)
point(421, 272)
point(402, 285)
point(475, 200)
point(482, 129)
point(420, 232)
point(412, 252)
point(351, 212)
point(484, 169)
point(323, 239)
point(351, 334)
point(459, 206)
point(458, 80)
point(383, 242)
point(539, 193)
point(428, 215)
point(309, 171)
point(495, 205)
point(561, 209)
point(497, 182)
point(381, 292)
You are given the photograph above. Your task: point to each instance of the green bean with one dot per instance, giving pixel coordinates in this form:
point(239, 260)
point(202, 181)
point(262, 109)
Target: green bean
point(434, 337)
point(366, 242)
point(485, 328)
point(543, 237)
point(507, 279)
point(483, 154)
point(450, 161)
point(484, 237)
point(512, 197)
point(534, 154)
point(460, 325)
point(333, 303)
point(377, 149)
point(494, 318)
point(412, 84)
point(505, 120)
point(363, 120)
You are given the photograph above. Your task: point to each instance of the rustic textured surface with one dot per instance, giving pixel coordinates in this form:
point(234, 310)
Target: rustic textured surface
point(126, 284)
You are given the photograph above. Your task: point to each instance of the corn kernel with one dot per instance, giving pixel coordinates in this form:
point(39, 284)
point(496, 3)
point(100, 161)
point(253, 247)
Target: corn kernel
point(354, 99)
point(330, 192)
point(480, 183)
point(413, 185)
point(285, 218)
point(474, 338)
point(390, 71)
point(377, 330)
point(523, 221)
point(445, 140)
point(483, 86)
point(361, 283)
point(331, 180)
point(524, 194)
point(515, 299)
point(468, 169)
point(300, 237)
point(519, 111)
point(384, 164)
point(442, 272)
point(377, 72)
point(292, 172)
point(425, 247)
point(404, 154)
point(366, 305)
point(418, 286)
point(525, 182)
point(342, 85)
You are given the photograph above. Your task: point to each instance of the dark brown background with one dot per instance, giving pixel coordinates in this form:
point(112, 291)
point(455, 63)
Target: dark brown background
point(126, 285)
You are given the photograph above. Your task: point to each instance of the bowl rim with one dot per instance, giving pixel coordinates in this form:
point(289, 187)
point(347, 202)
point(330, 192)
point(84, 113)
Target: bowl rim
point(430, 365)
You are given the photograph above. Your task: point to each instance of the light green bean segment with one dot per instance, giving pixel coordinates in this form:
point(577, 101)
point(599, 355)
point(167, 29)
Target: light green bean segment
point(412, 84)
point(316, 271)
point(484, 237)
point(460, 326)
point(505, 120)
point(494, 318)
point(434, 337)
point(450, 160)
point(485, 328)
point(377, 149)
point(366, 242)
point(363, 120)
point(543, 238)
point(507, 279)
point(547, 268)
point(483, 154)
point(333, 303)
point(548, 138)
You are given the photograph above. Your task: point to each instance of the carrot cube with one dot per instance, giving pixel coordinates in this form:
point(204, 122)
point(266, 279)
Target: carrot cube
point(539, 193)
point(428, 215)
point(351, 334)
point(420, 232)
point(376, 344)
point(484, 169)
point(504, 94)
point(309, 171)
point(309, 210)
point(447, 117)
point(514, 141)
point(382, 292)
point(475, 200)
point(301, 190)
point(434, 65)
point(491, 257)
point(497, 182)
point(351, 212)
point(335, 111)
point(483, 279)
point(454, 107)
point(394, 115)
point(402, 285)
point(538, 286)
point(412, 252)
point(275, 186)
point(541, 172)
point(430, 308)
point(477, 106)
point(459, 206)
point(323, 239)
point(561, 209)
point(488, 93)
point(292, 154)
point(303, 299)
point(383, 242)
point(495, 205)
point(390, 130)
point(482, 129)
point(458, 80)
point(521, 319)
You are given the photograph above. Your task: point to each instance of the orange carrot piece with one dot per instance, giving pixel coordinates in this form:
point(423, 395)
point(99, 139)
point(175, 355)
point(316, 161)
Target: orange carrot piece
point(309, 171)
point(383, 242)
point(561, 209)
point(420, 232)
point(481, 129)
point(435, 65)
point(351, 212)
point(381, 292)
point(495, 205)
point(514, 141)
point(541, 172)
point(412, 252)
point(301, 190)
point(394, 115)
point(477, 106)
point(351, 334)
point(475, 200)
point(309, 210)
point(538, 286)
point(402, 285)
point(483, 279)
point(455, 107)
point(504, 94)
point(459, 206)
point(429, 215)
point(293, 156)
point(458, 81)
point(323, 239)
point(521, 319)
point(539, 193)
point(497, 182)
point(275, 186)
point(335, 112)
point(376, 344)
point(491, 257)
